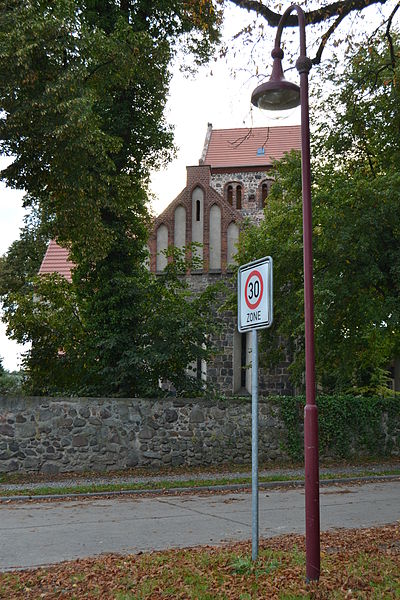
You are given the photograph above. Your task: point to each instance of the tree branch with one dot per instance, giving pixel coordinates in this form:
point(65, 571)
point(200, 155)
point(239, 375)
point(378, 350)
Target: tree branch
point(389, 36)
point(313, 17)
point(317, 58)
point(339, 9)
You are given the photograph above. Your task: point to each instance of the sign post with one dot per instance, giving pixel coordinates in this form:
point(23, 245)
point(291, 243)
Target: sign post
point(255, 312)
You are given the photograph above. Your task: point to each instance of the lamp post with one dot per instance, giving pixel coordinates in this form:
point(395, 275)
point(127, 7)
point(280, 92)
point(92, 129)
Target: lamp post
point(279, 94)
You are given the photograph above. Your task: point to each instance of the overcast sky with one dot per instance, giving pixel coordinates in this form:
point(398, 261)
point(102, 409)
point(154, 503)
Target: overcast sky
point(216, 95)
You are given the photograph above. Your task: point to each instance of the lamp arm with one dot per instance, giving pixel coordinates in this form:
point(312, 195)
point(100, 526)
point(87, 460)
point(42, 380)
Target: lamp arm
point(302, 27)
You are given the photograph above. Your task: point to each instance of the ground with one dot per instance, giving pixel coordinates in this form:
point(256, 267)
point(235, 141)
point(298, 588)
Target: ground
point(363, 563)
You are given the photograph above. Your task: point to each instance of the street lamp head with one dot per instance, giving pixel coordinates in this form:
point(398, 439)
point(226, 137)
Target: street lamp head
point(277, 93)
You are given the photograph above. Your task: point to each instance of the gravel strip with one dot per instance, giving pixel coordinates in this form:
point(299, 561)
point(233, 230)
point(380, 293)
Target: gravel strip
point(150, 479)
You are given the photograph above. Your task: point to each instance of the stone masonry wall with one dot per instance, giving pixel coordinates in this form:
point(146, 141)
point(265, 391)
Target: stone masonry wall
point(220, 371)
point(54, 435)
point(251, 182)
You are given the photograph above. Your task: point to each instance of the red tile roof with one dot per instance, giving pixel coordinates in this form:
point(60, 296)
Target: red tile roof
point(243, 147)
point(56, 261)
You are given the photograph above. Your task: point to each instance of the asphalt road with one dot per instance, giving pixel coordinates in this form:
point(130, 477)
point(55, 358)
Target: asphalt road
point(38, 533)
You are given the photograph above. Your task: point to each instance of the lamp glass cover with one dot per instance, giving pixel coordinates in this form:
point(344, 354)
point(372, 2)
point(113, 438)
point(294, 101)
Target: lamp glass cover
point(276, 95)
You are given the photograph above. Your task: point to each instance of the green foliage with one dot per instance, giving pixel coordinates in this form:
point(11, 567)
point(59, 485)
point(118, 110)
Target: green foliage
point(24, 256)
point(82, 93)
point(348, 425)
point(243, 565)
point(356, 238)
point(121, 340)
point(10, 382)
point(83, 87)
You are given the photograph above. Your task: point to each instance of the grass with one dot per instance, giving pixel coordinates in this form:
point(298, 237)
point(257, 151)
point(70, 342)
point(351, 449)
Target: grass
point(355, 565)
point(187, 470)
point(168, 485)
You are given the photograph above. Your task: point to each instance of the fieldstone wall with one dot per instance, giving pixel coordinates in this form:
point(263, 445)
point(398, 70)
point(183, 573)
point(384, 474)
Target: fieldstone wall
point(220, 371)
point(58, 435)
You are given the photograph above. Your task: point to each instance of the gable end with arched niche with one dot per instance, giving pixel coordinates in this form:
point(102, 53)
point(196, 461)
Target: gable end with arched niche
point(219, 248)
point(199, 214)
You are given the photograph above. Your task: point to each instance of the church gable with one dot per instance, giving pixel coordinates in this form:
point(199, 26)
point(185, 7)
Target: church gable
point(201, 215)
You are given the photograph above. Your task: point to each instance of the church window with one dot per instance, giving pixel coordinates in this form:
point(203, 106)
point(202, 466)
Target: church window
point(162, 246)
point(234, 194)
point(239, 197)
point(197, 221)
point(264, 193)
point(215, 238)
point(229, 194)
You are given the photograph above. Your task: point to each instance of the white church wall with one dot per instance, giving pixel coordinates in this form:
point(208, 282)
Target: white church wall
point(215, 237)
point(232, 240)
point(162, 244)
point(180, 227)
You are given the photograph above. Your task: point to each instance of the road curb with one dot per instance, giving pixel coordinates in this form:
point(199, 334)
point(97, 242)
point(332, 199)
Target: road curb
point(236, 487)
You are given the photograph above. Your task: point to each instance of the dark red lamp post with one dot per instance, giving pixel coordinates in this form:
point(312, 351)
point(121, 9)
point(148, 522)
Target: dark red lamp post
point(279, 94)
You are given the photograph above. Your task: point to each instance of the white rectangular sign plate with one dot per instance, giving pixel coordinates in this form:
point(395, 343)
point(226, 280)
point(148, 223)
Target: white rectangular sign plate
point(255, 295)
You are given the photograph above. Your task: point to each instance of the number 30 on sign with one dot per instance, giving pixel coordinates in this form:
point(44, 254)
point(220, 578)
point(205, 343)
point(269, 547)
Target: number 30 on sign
point(255, 295)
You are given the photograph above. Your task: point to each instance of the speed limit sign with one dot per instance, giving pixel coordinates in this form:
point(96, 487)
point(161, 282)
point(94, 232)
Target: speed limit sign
point(255, 295)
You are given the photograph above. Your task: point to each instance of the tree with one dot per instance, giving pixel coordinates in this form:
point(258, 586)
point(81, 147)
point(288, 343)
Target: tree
point(356, 211)
point(104, 346)
point(82, 93)
point(23, 259)
point(10, 383)
point(84, 85)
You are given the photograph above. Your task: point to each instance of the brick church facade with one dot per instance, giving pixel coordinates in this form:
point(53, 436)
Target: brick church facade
point(230, 184)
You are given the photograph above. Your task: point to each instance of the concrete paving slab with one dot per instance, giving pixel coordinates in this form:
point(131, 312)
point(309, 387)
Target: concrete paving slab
point(40, 533)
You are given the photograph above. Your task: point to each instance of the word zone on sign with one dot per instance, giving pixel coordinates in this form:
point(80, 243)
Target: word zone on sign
point(255, 295)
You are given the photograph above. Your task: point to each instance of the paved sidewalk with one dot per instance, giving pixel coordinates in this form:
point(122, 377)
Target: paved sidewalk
point(38, 533)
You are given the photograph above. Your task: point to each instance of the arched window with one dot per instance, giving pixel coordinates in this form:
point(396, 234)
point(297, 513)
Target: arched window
point(229, 194)
point(264, 193)
point(234, 194)
point(180, 227)
point(232, 241)
point(197, 220)
point(239, 197)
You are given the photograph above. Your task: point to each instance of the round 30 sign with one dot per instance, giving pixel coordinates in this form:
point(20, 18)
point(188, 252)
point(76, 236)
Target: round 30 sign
point(255, 295)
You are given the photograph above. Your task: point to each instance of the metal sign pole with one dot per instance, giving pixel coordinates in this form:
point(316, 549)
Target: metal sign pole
point(255, 311)
point(254, 445)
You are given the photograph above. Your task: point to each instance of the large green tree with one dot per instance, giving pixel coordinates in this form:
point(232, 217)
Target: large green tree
point(83, 86)
point(356, 215)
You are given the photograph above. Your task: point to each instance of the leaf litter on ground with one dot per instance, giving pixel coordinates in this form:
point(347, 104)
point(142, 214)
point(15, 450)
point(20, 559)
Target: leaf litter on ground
point(355, 564)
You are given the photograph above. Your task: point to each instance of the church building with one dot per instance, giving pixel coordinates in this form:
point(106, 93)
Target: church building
point(230, 183)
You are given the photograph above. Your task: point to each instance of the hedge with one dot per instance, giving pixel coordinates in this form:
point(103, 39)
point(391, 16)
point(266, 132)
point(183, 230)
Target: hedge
point(348, 425)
